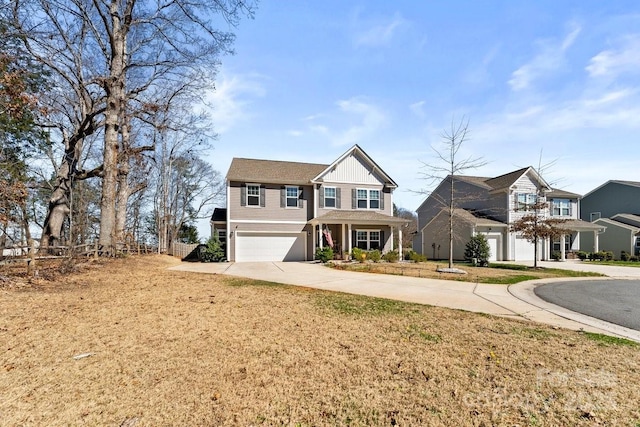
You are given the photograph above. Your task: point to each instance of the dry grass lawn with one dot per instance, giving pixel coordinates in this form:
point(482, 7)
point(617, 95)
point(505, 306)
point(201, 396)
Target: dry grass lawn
point(173, 348)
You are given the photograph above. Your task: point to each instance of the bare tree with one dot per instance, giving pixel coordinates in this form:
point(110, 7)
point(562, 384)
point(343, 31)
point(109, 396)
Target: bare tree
point(448, 165)
point(117, 60)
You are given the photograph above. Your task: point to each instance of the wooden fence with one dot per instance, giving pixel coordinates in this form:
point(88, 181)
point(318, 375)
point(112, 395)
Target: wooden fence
point(181, 250)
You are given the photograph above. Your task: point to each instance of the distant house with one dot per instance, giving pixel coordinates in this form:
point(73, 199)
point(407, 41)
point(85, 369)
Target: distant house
point(489, 205)
point(282, 211)
point(219, 225)
point(616, 206)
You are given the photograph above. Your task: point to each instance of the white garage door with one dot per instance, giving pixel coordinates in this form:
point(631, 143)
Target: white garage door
point(524, 250)
point(253, 247)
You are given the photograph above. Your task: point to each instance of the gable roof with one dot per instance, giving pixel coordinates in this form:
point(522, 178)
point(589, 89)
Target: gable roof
point(507, 180)
point(357, 150)
point(614, 181)
point(615, 223)
point(272, 171)
point(629, 219)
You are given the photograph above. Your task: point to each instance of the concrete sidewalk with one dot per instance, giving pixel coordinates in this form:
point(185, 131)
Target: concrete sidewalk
point(515, 301)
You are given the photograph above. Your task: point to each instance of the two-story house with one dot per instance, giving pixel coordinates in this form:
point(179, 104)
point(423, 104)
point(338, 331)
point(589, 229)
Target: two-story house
point(616, 206)
point(490, 205)
point(282, 211)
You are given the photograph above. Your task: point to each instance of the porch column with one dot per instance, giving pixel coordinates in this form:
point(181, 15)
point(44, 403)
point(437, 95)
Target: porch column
point(320, 235)
point(349, 237)
point(595, 241)
point(562, 242)
point(391, 237)
point(313, 237)
point(344, 241)
point(400, 241)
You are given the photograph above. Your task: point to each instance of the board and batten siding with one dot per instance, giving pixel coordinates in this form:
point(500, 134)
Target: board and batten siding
point(353, 169)
point(523, 185)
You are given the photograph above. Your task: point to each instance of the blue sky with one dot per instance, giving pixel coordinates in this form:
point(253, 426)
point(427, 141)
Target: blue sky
point(311, 78)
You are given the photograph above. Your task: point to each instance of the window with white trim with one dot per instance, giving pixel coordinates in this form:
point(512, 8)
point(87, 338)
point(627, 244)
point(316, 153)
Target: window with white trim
point(222, 237)
point(561, 207)
point(292, 196)
point(362, 197)
point(367, 199)
point(557, 244)
point(525, 201)
point(374, 199)
point(329, 197)
point(253, 195)
point(368, 239)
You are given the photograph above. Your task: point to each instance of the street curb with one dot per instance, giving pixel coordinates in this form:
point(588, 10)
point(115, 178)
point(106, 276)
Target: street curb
point(524, 291)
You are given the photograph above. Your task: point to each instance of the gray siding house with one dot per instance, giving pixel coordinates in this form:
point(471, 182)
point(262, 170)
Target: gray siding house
point(282, 211)
point(616, 206)
point(489, 205)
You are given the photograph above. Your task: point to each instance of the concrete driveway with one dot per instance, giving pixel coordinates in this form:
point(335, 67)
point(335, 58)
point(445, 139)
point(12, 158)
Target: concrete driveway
point(515, 301)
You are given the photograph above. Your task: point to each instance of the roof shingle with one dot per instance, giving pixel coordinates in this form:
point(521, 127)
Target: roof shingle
point(273, 171)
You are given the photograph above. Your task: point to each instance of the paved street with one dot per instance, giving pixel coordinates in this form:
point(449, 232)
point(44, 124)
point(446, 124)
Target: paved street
point(615, 301)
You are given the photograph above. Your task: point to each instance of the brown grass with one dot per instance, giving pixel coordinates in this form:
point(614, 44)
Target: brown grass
point(173, 348)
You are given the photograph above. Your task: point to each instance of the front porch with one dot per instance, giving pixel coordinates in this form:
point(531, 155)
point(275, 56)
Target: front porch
point(345, 230)
point(568, 244)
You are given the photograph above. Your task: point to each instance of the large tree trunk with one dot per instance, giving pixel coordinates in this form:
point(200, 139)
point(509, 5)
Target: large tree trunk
point(115, 89)
point(59, 203)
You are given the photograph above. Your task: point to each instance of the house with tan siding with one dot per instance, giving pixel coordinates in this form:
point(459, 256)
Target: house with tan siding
point(489, 205)
point(282, 211)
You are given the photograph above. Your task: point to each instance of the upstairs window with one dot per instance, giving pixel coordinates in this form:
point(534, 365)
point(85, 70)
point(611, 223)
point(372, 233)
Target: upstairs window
point(363, 199)
point(525, 201)
point(561, 207)
point(292, 197)
point(329, 197)
point(374, 199)
point(253, 195)
point(368, 199)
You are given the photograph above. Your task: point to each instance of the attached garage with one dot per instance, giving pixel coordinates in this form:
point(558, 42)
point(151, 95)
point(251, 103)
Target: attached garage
point(524, 250)
point(258, 247)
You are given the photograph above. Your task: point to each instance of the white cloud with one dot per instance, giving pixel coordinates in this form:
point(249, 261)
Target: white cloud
point(549, 59)
point(379, 34)
point(617, 61)
point(354, 122)
point(230, 101)
point(417, 109)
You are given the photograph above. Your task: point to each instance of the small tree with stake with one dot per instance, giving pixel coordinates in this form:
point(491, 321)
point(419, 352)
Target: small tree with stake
point(535, 227)
point(477, 250)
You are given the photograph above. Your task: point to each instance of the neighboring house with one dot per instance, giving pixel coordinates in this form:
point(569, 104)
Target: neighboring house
point(616, 206)
point(611, 198)
point(489, 206)
point(283, 211)
point(219, 225)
